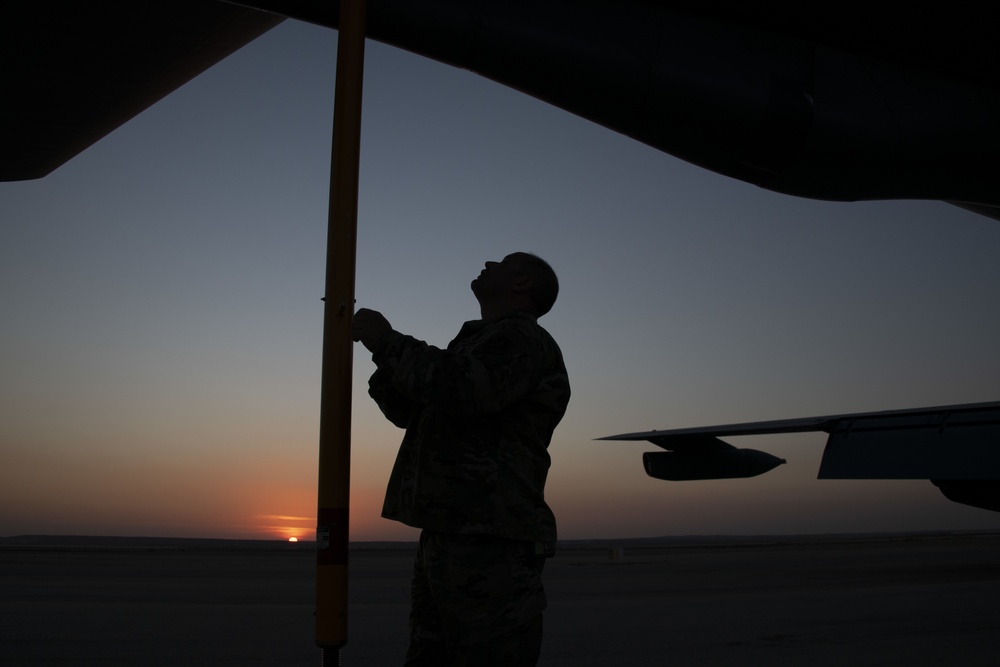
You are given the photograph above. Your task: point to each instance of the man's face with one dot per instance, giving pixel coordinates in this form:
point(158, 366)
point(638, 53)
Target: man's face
point(498, 277)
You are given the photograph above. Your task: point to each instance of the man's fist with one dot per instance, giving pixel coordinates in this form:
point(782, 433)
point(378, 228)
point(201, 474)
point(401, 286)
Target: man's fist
point(368, 327)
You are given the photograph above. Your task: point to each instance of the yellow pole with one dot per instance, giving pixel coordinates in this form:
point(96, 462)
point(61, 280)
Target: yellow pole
point(335, 402)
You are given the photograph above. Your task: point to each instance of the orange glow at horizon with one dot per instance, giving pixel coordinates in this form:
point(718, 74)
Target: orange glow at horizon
point(298, 520)
point(290, 533)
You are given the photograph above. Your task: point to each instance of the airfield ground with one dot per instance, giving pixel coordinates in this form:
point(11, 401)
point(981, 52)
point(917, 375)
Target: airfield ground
point(913, 600)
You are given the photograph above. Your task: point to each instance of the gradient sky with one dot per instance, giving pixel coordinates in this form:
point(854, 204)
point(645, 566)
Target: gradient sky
point(161, 326)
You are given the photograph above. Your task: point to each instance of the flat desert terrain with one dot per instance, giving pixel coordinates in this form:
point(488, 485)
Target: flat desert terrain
point(863, 600)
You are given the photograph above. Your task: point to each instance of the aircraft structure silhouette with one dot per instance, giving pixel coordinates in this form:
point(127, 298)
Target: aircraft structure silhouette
point(838, 102)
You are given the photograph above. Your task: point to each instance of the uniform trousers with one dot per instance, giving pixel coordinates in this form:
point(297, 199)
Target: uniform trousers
point(475, 601)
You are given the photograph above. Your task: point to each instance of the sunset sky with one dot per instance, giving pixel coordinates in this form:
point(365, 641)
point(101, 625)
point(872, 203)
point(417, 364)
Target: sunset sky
point(161, 314)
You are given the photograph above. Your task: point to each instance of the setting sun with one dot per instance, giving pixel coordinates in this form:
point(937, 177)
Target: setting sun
point(289, 527)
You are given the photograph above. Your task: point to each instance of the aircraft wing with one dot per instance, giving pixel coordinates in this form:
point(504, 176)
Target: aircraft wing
point(955, 446)
point(827, 101)
point(679, 439)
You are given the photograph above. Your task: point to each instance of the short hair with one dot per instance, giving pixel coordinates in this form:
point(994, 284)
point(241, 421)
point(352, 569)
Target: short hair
point(544, 283)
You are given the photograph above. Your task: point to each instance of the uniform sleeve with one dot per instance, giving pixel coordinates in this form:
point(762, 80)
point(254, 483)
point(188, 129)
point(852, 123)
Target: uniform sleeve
point(396, 407)
point(504, 365)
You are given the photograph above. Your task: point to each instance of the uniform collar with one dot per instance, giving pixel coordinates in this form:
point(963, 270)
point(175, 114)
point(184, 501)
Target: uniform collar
point(475, 326)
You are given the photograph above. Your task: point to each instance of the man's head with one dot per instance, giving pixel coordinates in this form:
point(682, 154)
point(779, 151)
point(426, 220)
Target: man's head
point(520, 281)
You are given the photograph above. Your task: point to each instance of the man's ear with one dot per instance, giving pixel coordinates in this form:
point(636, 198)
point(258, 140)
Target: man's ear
point(522, 284)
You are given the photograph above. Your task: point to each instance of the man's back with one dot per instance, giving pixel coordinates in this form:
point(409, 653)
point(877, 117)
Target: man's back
point(481, 414)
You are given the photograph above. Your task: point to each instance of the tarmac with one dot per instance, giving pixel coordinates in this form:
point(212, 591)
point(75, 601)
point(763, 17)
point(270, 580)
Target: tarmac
point(913, 600)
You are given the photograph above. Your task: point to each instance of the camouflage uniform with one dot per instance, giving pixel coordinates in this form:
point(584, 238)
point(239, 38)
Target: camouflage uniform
point(471, 472)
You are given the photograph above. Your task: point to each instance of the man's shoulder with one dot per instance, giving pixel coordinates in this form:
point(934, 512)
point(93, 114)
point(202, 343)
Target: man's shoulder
point(524, 326)
point(518, 334)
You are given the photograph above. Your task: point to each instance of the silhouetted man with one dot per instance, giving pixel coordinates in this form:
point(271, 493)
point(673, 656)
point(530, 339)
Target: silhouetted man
point(471, 469)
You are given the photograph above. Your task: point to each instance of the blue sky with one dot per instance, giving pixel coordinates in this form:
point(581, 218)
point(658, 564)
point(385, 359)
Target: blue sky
point(162, 314)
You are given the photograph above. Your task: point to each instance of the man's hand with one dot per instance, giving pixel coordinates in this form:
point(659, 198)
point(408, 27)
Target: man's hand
point(368, 327)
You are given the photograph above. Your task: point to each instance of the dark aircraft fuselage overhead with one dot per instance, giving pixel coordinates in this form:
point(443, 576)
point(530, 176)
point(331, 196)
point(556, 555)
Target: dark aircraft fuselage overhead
point(818, 100)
